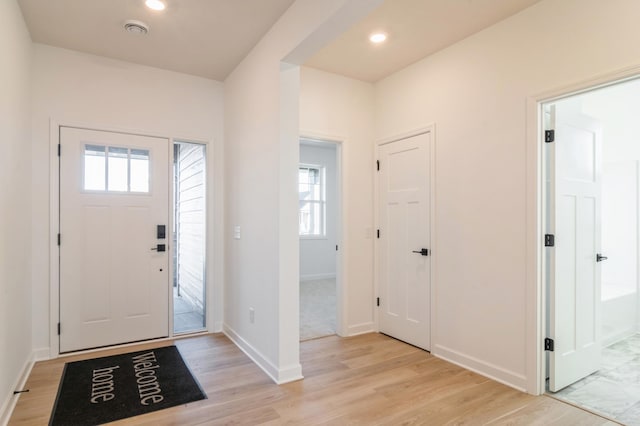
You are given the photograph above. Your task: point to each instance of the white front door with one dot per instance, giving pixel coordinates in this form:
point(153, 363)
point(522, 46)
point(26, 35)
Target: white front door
point(404, 244)
point(114, 277)
point(575, 197)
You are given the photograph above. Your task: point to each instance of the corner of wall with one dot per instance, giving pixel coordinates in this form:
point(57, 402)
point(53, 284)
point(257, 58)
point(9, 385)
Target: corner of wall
point(42, 354)
point(6, 410)
point(363, 328)
point(280, 376)
point(218, 327)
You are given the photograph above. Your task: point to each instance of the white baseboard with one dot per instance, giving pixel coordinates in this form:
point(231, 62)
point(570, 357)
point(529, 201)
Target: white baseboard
point(317, 277)
point(289, 374)
point(42, 354)
point(12, 399)
point(506, 377)
point(617, 336)
point(278, 375)
point(363, 328)
point(217, 327)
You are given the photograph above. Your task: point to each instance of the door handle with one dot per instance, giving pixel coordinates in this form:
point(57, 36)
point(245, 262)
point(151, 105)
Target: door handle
point(600, 258)
point(423, 252)
point(160, 247)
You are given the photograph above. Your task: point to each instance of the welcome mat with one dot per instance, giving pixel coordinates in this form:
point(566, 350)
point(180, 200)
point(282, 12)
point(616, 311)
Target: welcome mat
point(102, 390)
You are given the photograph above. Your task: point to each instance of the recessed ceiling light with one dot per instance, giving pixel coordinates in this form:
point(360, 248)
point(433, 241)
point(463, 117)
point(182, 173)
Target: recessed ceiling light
point(377, 37)
point(155, 4)
point(136, 27)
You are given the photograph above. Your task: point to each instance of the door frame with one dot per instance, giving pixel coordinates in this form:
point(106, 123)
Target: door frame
point(536, 221)
point(212, 323)
point(431, 129)
point(341, 268)
point(214, 290)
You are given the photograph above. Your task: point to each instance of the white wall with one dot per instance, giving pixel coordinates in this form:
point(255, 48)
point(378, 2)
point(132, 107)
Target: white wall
point(261, 140)
point(616, 108)
point(342, 109)
point(318, 254)
point(619, 277)
point(76, 88)
point(476, 94)
point(619, 318)
point(15, 202)
point(619, 227)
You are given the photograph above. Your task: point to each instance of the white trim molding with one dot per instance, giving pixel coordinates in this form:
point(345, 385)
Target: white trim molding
point(9, 404)
point(357, 329)
point(42, 354)
point(314, 277)
point(278, 375)
point(504, 376)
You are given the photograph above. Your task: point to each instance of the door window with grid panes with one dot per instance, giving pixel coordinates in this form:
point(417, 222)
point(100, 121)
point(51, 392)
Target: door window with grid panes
point(311, 188)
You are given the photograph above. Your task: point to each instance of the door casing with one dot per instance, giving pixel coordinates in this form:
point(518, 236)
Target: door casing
point(536, 223)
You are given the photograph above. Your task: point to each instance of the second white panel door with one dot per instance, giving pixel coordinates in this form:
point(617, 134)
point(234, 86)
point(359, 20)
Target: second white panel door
point(575, 298)
point(404, 249)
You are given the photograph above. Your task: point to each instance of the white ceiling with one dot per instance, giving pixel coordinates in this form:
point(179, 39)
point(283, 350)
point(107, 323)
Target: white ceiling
point(209, 38)
point(415, 28)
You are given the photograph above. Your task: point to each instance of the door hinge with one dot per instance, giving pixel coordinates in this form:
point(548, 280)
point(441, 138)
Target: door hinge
point(378, 165)
point(58, 329)
point(549, 136)
point(377, 301)
point(58, 239)
point(59, 149)
point(336, 247)
point(549, 240)
point(378, 233)
point(548, 344)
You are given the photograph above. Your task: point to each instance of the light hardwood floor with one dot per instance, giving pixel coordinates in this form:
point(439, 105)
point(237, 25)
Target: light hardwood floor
point(364, 380)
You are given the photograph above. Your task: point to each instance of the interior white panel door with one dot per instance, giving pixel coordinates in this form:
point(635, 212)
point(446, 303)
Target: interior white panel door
point(404, 272)
point(113, 279)
point(575, 297)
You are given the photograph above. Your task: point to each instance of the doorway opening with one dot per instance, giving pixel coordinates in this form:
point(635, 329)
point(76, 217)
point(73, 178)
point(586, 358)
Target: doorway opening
point(592, 209)
point(319, 231)
point(189, 237)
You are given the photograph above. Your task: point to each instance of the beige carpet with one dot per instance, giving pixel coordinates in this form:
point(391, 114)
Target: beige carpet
point(317, 308)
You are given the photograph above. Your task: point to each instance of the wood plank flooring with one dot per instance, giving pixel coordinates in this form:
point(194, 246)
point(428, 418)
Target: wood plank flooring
point(364, 380)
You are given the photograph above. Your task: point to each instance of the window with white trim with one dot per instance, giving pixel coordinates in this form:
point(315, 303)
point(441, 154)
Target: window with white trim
point(116, 169)
point(311, 189)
